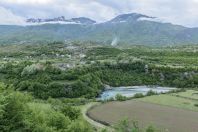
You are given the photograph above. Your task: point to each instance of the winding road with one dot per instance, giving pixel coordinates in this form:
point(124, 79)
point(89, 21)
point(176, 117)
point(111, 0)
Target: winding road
point(97, 125)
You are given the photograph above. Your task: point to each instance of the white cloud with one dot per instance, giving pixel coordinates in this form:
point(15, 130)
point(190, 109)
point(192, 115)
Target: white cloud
point(27, 1)
point(8, 18)
point(183, 12)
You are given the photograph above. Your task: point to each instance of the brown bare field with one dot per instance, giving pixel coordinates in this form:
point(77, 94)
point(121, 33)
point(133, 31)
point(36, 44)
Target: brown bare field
point(166, 118)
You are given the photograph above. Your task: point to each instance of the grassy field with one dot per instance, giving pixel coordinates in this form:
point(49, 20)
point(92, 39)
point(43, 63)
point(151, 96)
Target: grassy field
point(173, 101)
point(191, 94)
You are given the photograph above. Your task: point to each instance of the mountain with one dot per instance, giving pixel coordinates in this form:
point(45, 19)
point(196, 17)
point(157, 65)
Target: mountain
point(125, 29)
point(128, 17)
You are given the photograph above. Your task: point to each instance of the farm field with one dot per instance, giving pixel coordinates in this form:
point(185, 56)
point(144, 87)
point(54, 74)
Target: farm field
point(173, 101)
point(166, 112)
point(165, 118)
point(191, 94)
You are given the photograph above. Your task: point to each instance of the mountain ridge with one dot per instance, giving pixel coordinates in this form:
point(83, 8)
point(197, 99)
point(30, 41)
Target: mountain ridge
point(126, 29)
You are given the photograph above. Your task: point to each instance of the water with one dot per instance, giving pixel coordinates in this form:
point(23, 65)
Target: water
point(131, 91)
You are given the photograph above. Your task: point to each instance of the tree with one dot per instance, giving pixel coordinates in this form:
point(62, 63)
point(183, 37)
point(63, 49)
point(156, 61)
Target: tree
point(14, 108)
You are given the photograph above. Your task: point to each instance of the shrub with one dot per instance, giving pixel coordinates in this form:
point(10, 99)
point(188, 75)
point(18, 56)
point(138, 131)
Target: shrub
point(131, 126)
point(138, 95)
point(127, 126)
point(150, 92)
point(150, 129)
point(71, 112)
point(79, 126)
point(196, 105)
point(23, 85)
point(31, 69)
point(119, 97)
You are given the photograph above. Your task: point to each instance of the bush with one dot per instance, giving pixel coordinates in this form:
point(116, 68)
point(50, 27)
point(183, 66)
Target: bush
point(150, 129)
point(23, 85)
point(138, 95)
point(150, 92)
point(132, 126)
point(71, 112)
point(79, 126)
point(119, 97)
point(31, 69)
point(196, 105)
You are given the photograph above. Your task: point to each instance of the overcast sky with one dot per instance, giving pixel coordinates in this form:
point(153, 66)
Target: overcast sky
point(184, 12)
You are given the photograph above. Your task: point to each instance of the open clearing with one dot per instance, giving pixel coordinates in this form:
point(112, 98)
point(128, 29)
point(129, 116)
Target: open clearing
point(190, 94)
point(173, 101)
point(169, 119)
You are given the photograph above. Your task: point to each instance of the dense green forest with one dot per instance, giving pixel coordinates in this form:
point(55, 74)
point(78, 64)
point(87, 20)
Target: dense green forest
point(44, 81)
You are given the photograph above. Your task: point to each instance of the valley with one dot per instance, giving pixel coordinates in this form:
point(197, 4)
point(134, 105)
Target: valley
point(56, 81)
point(98, 66)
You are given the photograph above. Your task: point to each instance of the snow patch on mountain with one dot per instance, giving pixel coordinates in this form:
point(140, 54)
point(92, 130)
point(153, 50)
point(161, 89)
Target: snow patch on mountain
point(60, 20)
point(128, 18)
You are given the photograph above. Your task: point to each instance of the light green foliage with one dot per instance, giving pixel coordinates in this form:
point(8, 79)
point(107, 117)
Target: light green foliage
point(42, 117)
point(14, 111)
point(31, 69)
point(21, 113)
point(79, 126)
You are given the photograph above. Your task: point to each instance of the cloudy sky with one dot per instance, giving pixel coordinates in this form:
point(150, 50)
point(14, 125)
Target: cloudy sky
point(184, 12)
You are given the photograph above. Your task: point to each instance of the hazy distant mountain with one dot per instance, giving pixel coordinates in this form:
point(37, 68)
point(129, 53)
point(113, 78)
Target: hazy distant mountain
point(126, 29)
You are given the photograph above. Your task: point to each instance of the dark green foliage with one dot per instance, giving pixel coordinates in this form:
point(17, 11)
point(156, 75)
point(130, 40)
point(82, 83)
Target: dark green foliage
point(150, 129)
point(72, 113)
point(39, 90)
point(88, 81)
point(119, 97)
point(150, 92)
point(138, 95)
